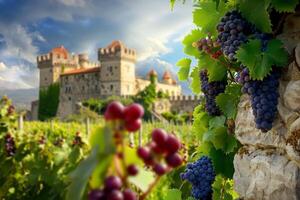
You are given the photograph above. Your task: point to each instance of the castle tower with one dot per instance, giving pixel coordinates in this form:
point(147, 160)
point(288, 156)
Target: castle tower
point(83, 60)
point(167, 78)
point(52, 64)
point(117, 69)
point(152, 76)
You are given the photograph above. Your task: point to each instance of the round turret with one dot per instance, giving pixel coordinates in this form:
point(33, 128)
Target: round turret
point(83, 60)
point(167, 78)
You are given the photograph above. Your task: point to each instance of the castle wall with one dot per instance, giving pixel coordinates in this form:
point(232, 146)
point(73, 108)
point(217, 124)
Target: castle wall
point(183, 104)
point(76, 88)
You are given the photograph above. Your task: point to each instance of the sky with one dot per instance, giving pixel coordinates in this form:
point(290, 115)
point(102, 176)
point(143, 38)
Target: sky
point(32, 27)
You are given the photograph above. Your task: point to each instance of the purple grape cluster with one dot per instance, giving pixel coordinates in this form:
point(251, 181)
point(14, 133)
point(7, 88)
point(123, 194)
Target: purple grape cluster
point(233, 31)
point(201, 175)
point(211, 90)
point(264, 97)
point(112, 191)
point(264, 38)
point(10, 146)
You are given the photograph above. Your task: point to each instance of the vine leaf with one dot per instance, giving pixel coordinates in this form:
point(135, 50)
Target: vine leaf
point(255, 11)
point(173, 194)
point(223, 189)
point(228, 101)
point(207, 16)
point(260, 63)
point(188, 41)
point(223, 163)
point(285, 6)
point(184, 70)
point(216, 71)
point(195, 85)
point(201, 120)
point(217, 121)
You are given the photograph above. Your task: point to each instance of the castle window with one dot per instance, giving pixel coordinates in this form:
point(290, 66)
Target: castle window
point(128, 88)
point(83, 88)
point(110, 69)
point(111, 87)
point(69, 98)
point(50, 70)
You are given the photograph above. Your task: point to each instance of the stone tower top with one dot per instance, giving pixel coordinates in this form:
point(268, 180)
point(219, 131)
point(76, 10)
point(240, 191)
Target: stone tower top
point(116, 50)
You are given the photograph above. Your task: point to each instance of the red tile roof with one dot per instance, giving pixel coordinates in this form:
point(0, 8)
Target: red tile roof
point(61, 51)
point(167, 75)
point(82, 71)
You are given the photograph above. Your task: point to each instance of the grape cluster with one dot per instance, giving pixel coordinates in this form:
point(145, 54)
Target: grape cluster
point(264, 38)
point(211, 90)
point(112, 191)
point(77, 141)
point(162, 153)
point(58, 142)
point(264, 97)
point(130, 117)
point(10, 146)
point(201, 175)
point(42, 140)
point(233, 31)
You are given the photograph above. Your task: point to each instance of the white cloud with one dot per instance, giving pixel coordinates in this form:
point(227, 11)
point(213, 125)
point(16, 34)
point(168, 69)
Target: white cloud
point(19, 43)
point(17, 77)
point(76, 3)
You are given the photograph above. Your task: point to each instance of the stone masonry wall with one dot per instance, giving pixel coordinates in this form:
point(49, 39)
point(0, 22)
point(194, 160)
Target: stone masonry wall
point(267, 166)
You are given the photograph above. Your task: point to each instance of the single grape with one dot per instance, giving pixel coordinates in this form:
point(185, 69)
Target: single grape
point(160, 169)
point(113, 183)
point(115, 110)
point(133, 112)
point(174, 160)
point(172, 144)
point(144, 153)
point(132, 170)
point(129, 195)
point(133, 126)
point(159, 136)
point(115, 195)
point(96, 195)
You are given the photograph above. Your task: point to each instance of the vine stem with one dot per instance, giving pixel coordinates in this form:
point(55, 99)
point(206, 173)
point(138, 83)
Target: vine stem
point(144, 195)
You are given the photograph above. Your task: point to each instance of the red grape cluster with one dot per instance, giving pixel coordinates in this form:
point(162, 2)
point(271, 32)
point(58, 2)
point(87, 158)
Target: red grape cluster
point(112, 191)
point(77, 140)
point(42, 140)
point(58, 142)
point(10, 146)
point(130, 117)
point(162, 153)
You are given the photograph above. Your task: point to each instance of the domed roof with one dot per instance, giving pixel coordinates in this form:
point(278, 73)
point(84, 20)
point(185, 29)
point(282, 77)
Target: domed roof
point(61, 51)
point(117, 44)
point(167, 75)
point(152, 72)
point(174, 82)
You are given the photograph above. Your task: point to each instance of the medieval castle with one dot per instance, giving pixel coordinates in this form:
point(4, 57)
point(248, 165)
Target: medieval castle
point(114, 75)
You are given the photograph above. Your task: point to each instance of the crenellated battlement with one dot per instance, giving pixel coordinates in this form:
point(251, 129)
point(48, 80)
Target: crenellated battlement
point(44, 57)
point(185, 98)
point(116, 50)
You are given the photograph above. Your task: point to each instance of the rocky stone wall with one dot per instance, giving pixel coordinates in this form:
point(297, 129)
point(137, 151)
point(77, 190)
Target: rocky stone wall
point(267, 167)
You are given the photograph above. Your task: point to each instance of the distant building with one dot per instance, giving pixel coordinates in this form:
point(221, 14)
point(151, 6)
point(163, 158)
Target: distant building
point(81, 79)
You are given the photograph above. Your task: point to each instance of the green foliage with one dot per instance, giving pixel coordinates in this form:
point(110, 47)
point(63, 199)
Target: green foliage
point(285, 6)
point(188, 41)
point(173, 194)
point(229, 100)
point(260, 18)
point(184, 70)
point(48, 102)
point(176, 118)
point(223, 189)
point(195, 85)
point(206, 16)
point(217, 70)
point(260, 63)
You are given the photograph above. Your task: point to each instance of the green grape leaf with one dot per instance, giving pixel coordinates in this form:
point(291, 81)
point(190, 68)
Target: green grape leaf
point(184, 70)
point(223, 189)
point(195, 84)
point(216, 70)
point(173, 194)
point(276, 54)
point(229, 100)
point(204, 148)
point(172, 3)
point(255, 11)
point(81, 176)
point(285, 6)
point(223, 163)
point(206, 16)
point(188, 41)
point(200, 124)
point(216, 122)
point(260, 63)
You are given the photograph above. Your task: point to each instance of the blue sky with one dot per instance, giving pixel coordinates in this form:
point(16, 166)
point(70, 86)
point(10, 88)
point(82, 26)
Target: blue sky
point(32, 27)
